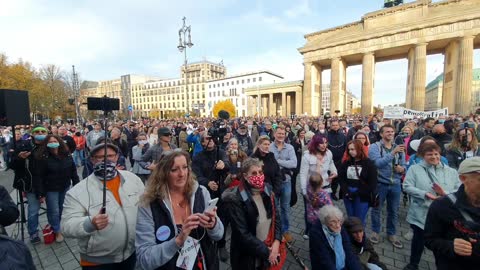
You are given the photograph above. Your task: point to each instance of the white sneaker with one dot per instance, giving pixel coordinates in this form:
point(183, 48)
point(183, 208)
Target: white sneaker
point(306, 237)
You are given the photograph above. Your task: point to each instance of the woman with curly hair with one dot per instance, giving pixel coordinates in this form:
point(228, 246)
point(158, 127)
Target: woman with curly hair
point(174, 210)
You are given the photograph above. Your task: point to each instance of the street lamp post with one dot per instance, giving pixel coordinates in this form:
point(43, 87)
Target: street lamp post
point(183, 44)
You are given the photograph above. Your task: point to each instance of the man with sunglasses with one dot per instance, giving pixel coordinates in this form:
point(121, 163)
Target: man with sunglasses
point(452, 228)
point(23, 166)
point(106, 239)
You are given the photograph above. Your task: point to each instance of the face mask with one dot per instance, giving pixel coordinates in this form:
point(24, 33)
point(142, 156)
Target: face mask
point(53, 145)
point(250, 127)
point(322, 130)
point(441, 121)
point(110, 172)
point(143, 142)
point(40, 137)
point(22, 131)
point(257, 181)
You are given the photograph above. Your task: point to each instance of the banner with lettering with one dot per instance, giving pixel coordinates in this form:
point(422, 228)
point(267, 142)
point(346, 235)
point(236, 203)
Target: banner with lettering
point(403, 113)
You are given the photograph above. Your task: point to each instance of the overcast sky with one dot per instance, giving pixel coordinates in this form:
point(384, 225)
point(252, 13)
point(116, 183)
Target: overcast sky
point(105, 39)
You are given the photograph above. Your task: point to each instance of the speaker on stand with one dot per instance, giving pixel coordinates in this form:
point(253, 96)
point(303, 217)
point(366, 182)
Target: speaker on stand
point(15, 110)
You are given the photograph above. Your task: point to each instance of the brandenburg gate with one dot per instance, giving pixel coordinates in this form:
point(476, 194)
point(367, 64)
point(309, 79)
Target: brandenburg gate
point(411, 31)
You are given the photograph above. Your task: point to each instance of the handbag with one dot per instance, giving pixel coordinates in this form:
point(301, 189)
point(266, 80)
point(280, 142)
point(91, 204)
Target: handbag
point(48, 235)
point(282, 250)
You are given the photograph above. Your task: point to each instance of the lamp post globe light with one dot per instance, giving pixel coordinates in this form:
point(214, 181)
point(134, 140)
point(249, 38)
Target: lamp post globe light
point(183, 44)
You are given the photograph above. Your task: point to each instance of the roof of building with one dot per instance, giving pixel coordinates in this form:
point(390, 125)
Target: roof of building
point(247, 74)
point(275, 85)
point(436, 81)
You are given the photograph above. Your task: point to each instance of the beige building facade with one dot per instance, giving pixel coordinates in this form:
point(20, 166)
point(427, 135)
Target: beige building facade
point(410, 31)
point(278, 99)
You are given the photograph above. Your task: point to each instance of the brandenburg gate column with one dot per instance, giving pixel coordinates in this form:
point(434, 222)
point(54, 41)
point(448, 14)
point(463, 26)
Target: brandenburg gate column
point(284, 104)
point(417, 77)
point(337, 85)
point(368, 75)
point(312, 88)
point(271, 105)
point(463, 100)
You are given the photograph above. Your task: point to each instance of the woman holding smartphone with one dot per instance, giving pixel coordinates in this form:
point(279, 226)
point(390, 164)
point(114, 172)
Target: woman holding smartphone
point(174, 208)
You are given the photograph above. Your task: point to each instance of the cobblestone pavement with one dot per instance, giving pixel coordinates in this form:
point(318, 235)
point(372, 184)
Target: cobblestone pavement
point(65, 255)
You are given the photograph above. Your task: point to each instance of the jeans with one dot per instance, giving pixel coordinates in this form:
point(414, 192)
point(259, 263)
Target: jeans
point(285, 195)
point(78, 157)
point(418, 243)
point(392, 194)
point(54, 208)
point(128, 264)
point(308, 225)
point(356, 208)
point(33, 209)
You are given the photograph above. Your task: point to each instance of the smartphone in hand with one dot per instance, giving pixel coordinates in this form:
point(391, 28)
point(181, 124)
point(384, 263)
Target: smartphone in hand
point(211, 204)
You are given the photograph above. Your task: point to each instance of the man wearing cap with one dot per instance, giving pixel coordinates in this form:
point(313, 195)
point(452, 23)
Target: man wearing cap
point(106, 240)
point(23, 166)
point(244, 141)
point(452, 228)
point(154, 153)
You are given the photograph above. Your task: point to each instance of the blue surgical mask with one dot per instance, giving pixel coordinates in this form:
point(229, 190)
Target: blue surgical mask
point(441, 121)
point(40, 137)
point(53, 145)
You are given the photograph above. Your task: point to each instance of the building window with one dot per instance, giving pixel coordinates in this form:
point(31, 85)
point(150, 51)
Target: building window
point(243, 81)
point(260, 78)
point(254, 79)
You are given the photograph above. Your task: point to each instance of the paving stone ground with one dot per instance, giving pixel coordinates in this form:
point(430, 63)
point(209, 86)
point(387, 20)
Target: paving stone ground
point(65, 255)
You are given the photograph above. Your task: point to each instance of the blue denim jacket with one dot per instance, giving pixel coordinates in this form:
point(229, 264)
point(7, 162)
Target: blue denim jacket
point(384, 160)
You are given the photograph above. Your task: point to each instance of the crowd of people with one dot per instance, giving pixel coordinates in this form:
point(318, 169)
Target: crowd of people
point(173, 187)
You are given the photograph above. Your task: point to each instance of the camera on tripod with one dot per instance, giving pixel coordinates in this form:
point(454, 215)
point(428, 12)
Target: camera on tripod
point(464, 139)
point(219, 130)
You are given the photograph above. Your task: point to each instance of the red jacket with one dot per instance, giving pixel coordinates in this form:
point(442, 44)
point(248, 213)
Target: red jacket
point(80, 141)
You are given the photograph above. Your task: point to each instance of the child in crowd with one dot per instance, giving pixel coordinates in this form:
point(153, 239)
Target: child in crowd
point(316, 199)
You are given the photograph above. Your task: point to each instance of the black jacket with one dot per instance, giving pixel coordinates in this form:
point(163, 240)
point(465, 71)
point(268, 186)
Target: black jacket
point(24, 179)
point(54, 174)
point(271, 170)
point(122, 145)
point(8, 209)
point(203, 166)
point(366, 253)
point(445, 223)
point(162, 217)
point(245, 247)
point(454, 157)
point(337, 142)
point(70, 143)
point(15, 254)
point(322, 256)
point(367, 183)
point(442, 139)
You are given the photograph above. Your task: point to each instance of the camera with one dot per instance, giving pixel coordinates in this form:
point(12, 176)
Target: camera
point(219, 130)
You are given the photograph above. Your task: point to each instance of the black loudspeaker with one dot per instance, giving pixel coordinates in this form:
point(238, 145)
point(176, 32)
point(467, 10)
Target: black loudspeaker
point(14, 108)
point(103, 104)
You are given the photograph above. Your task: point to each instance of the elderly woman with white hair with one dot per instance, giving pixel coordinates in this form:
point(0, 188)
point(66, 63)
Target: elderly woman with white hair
point(330, 247)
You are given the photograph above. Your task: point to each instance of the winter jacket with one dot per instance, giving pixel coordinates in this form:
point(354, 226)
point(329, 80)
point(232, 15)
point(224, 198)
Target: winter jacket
point(245, 247)
point(116, 242)
point(93, 136)
point(203, 165)
point(54, 173)
point(195, 140)
point(122, 145)
point(8, 209)
point(15, 254)
point(155, 253)
point(80, 142)
point(271, 170)
point(245, 143)
point(384, 161)
point(455, 157)
point(23, 177)
point(322, 256)
point(337, 143)
point(182, 140)
point(68, 140)
point(309, 164)
point(442, 139)
point(154, 152)
point(365, 182)
point(286, 159)
point(419, 180)
point(445, 223)
point(140, 166)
